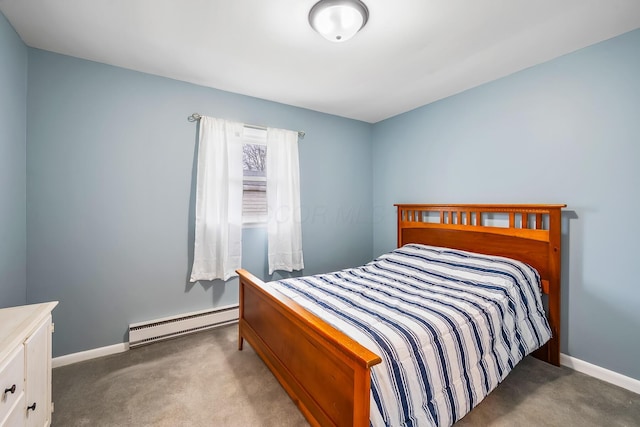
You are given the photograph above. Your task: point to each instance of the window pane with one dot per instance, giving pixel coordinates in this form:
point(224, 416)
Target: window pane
point(254, 196)
point(254, 159)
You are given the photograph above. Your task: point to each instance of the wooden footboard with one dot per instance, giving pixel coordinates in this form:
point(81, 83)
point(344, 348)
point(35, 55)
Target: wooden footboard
point(326, 373)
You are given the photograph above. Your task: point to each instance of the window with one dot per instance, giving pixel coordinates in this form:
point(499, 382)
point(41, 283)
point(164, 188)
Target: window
point(254, 183)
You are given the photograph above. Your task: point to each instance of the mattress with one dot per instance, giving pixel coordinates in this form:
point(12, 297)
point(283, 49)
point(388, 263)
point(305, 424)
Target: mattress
point(449, 326)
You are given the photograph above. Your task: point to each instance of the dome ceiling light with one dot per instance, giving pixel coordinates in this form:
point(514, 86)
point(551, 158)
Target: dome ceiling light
point(338, 20)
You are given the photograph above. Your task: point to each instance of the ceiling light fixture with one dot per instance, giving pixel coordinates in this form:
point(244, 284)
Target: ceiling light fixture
point(338, 20)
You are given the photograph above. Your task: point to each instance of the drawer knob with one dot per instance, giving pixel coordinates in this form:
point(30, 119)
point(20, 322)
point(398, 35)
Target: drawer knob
point(11, 389)
point(32, 407)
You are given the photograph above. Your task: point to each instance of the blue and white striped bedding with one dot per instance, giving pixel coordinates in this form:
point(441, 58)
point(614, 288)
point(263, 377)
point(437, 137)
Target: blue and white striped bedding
point(449, 326)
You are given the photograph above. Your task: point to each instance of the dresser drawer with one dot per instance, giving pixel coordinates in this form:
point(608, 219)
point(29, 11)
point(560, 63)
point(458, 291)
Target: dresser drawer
point(11, 381)
point(17, 416)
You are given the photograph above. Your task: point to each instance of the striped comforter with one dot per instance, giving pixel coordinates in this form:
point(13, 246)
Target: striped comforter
point(449, 326)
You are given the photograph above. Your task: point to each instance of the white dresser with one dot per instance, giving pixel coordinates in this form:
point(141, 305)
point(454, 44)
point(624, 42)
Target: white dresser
point(25, 365)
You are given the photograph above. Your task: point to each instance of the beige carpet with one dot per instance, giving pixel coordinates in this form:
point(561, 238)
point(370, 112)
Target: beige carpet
point(202, 380)
point(197, 380)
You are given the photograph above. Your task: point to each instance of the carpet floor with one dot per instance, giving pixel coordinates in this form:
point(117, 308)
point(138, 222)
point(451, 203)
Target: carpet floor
point(203, 380)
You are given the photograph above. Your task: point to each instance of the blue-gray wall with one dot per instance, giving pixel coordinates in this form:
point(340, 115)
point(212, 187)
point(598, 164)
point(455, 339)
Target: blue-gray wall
point(110, 178)
point(13, 139)
point(567, 131)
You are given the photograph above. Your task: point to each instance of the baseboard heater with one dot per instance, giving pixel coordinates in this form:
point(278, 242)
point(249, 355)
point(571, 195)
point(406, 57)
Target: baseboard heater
point(143, 333)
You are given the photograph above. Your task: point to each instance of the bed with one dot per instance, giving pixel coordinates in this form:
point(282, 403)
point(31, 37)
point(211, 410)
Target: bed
point(329, 374)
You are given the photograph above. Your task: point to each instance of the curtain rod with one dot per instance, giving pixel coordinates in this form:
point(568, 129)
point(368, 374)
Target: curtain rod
point(195, 117)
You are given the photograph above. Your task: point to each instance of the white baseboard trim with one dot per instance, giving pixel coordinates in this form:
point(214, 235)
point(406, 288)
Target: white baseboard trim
point(68, 359)
point(601, 373)
point(81, 356)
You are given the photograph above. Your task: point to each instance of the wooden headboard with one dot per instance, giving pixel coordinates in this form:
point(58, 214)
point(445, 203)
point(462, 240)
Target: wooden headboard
point(526, 232)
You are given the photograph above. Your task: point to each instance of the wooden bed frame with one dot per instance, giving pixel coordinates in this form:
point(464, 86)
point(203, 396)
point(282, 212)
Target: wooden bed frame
point(326, 373)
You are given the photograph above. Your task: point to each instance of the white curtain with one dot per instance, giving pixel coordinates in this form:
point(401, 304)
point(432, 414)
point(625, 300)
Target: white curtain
point(284, 228)
point(218, 234)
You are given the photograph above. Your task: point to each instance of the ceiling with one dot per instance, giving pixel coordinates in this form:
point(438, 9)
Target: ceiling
point(410, 53)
